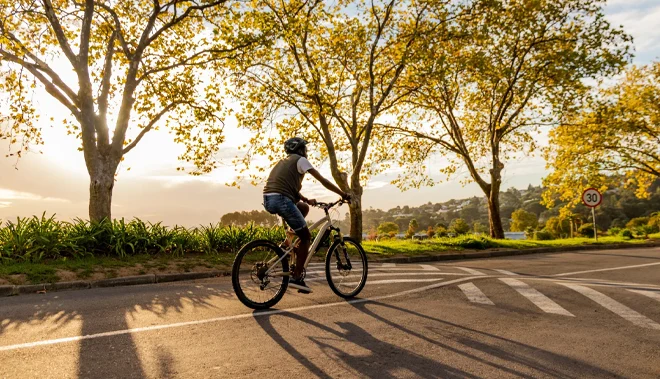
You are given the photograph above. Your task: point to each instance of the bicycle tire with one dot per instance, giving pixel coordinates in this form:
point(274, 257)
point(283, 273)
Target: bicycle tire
point(328, 267)
point(235, 275)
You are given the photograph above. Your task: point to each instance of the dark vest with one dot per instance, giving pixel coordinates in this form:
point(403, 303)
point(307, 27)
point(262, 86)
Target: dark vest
point(285, 179)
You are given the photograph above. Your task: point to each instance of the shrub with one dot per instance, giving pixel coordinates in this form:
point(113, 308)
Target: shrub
point(586, 230)
point(543, 235)
point(614, 231)
point(637, 222)
point(626, 233)
point(459, 226)
point(388, 227)
point(441, 231)
point(430, 232)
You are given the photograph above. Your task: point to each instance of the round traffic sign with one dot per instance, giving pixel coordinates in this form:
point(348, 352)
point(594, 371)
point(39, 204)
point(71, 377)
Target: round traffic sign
point(591, 197)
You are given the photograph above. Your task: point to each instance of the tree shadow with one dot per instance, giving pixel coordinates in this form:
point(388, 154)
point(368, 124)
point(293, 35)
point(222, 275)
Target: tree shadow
point(503, 356)
point(117, 355)
point(516, 354)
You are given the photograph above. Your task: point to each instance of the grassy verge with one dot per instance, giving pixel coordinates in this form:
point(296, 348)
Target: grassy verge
point(409, 248)
point(94, 268)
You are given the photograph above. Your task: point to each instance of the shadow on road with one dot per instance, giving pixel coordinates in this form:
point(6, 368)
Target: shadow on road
point(445, 344)
point(117, 356)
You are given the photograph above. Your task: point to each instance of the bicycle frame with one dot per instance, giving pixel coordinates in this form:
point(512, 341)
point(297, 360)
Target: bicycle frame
point(324, 224)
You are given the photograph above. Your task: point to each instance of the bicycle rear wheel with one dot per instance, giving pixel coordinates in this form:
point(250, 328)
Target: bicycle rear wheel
point(346, 268)
point(253, 285)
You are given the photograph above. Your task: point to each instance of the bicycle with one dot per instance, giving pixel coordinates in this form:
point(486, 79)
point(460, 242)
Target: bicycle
point(268, 265)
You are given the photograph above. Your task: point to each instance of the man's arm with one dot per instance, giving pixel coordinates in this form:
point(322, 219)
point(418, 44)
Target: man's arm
point(327, 184)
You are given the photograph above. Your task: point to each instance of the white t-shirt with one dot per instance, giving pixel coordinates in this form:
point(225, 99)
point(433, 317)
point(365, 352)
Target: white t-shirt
point(304, 165)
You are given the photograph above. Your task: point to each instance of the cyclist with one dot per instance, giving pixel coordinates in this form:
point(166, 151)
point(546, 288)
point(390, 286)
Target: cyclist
point(282, 197)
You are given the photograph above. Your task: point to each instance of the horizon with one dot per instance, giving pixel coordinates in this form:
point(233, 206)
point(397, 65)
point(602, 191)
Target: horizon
point(149, 187)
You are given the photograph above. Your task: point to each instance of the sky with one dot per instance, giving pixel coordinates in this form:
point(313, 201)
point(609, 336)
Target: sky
point(55, 181)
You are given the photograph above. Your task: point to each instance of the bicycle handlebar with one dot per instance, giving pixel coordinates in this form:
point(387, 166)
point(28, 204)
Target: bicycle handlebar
point(327, 206)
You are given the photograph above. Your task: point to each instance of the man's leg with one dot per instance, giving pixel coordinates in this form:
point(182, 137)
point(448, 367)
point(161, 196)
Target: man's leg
point(301, 250)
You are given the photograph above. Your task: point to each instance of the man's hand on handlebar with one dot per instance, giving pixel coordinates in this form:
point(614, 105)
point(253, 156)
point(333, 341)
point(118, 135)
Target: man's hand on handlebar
point(311, 202)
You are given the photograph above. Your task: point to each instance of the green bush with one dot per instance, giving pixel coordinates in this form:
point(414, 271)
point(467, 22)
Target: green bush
point(459, 227)
point(626, 233)
point(586, 230)
point(543, 235)
point(614, 231)
point(469, 242)
point(637, 222)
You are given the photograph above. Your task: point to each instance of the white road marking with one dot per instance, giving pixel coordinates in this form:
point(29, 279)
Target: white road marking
point(607, 269)
point(471, 271)
point(386, 269)
point(474, 294)
point(614, 306)
point(388, 265)
point(539, 299)
point(226, 318)
point(316, 279)
point(430, 268)
point(597, 282)
point(391, 281)
point(652, 294)
point(505, 272)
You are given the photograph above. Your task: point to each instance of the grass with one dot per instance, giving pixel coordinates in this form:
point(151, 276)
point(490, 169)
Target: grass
point(439, 245)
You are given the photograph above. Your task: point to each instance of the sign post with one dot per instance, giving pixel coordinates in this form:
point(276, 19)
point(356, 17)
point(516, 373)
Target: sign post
point(592, 198)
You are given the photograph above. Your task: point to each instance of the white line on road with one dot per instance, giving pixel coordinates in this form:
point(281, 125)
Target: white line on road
point(226, 318)
point(652, 294)
point(539, 299)
point(430, 268)
point(391, 281)
point(474, 294)
point(614, 306)
point(505, 272)
point(317, 279)
point(607, 269)
point(471, 271)
point(388, 265)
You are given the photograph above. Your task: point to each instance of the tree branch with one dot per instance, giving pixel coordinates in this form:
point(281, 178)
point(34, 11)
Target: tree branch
point(150, 125)
point(59, 33)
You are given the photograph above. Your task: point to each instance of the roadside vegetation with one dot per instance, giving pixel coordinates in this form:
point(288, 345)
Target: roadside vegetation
point(43, 249)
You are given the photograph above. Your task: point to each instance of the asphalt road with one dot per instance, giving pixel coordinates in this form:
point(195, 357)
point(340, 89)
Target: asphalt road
point(586, 314)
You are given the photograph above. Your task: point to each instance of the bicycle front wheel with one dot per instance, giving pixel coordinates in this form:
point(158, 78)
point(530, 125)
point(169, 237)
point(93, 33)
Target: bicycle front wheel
point(346, 268)
point(260, 274)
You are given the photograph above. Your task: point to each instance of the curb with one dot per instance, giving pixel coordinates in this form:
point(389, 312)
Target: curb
point(165, 278)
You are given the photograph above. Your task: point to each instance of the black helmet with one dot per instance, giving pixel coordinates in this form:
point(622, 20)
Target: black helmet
point(296, 145)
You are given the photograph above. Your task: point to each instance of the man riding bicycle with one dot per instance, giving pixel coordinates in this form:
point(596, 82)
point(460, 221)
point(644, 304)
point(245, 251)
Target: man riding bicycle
point(282, 197)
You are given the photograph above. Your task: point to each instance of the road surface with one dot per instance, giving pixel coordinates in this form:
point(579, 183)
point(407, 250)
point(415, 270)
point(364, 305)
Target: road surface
point(585, 314)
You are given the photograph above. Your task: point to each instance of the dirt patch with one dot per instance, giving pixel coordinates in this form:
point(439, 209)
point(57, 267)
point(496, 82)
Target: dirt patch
point(66, 275)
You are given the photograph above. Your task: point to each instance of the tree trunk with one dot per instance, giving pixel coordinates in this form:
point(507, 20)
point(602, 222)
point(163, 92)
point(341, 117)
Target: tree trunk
point(494, 218)
point(102, 181)
point(355, 209)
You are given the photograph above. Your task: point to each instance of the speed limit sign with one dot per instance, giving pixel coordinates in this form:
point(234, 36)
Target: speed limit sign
point(591, 197)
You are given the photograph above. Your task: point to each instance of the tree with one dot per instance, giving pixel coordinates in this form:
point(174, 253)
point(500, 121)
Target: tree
point(112, 65)
point(412, 228)
point(559, 227)
point(521, 220)
point(430, 232)
point(519, 65)
point(387, 228)
point(331, 74)
point(459, 226)
point(615, 135)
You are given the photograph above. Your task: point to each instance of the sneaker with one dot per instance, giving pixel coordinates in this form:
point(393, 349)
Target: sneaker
point(300, 285)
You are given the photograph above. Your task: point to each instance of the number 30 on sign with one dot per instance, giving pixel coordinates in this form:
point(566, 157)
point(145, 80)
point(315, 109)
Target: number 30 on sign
point(591, 197)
